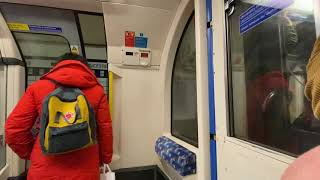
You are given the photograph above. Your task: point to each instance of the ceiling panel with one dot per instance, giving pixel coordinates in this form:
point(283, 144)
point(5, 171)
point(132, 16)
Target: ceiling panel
point(160, 4)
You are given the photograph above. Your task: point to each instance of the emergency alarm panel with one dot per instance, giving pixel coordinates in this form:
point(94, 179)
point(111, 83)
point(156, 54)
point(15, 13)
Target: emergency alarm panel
point(136, 56)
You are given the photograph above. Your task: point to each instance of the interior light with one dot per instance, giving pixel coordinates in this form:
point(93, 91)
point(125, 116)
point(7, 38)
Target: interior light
point(303, 5)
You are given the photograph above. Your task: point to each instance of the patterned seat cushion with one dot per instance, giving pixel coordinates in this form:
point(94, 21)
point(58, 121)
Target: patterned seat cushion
point(180, 158)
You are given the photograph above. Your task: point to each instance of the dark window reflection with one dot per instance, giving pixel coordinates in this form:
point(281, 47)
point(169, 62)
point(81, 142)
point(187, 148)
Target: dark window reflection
point(268, 66)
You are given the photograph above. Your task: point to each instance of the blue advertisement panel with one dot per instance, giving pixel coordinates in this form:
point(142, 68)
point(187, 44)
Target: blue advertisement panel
point(45, 28)
point(257, 14)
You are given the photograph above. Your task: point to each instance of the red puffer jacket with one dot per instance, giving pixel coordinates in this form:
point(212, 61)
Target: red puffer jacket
point(79, 165)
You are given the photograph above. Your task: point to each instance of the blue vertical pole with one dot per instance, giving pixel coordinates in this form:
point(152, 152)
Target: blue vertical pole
point(213, 152)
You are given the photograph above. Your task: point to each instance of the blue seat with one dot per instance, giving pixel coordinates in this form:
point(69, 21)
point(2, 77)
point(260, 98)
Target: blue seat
point(178, 157)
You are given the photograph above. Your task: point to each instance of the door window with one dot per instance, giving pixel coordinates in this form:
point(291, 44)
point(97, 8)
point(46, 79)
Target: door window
point(3, 95)
point(41, 52)
point(93, 35)
point(95, 46)
point(270, 42)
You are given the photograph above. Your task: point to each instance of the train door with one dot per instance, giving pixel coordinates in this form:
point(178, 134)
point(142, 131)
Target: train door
point(12, 73)
point(44, 34)
point(93, 41)
point(3, 110)
point(268, 121)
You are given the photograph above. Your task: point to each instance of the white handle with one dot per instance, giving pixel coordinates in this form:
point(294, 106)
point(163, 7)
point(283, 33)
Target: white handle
point(106, 166)
point(109, 175)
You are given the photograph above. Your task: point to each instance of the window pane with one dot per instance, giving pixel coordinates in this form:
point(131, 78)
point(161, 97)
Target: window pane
point(41, 52)
point(184, 93)
point(3, 94)
point(96, 52)
point(41, 45)
point(267, 72)
point(94, 39)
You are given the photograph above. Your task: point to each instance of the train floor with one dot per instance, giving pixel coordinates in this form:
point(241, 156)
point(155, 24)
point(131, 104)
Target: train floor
point(141, 173)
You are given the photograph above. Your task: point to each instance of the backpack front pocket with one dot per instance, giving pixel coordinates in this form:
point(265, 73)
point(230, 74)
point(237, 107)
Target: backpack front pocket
point(68, 138)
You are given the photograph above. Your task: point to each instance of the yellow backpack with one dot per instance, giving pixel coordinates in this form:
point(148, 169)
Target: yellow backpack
point(67, 122)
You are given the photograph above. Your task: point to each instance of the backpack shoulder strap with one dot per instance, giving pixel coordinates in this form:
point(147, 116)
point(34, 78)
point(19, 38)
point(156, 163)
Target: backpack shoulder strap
point(36, 126)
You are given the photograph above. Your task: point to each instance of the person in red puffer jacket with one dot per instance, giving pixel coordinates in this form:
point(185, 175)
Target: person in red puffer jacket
point(73, 71)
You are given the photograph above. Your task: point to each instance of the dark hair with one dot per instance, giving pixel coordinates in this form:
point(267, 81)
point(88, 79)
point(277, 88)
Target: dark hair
point(71, 56)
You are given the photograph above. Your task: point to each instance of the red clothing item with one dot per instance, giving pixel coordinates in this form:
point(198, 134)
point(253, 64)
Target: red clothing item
point(79, 165)
point(257, 95)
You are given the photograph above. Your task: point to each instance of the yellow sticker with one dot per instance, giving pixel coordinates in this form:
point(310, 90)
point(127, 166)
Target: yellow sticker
point(74, 49)
point(18, 27)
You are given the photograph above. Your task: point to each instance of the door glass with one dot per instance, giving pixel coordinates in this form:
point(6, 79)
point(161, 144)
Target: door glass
point(95, 45)
point(94, 38)
point(41, 52)
point(270, 43)
point(3, 95)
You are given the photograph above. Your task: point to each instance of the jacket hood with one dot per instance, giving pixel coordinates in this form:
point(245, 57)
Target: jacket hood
point(72, 73)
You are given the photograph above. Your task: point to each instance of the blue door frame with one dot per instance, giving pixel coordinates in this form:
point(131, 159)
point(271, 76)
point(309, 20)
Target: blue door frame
point(213, 148)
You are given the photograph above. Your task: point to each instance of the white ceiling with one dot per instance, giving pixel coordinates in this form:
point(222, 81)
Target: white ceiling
point(82, 5)
point(95, 5)
point(160, 4)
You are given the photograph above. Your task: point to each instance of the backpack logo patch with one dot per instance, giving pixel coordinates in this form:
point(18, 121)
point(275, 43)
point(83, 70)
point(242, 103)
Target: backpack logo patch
point(69, 115)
